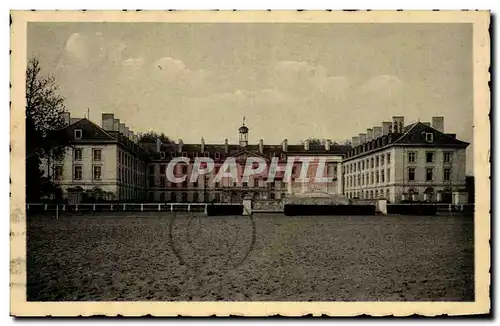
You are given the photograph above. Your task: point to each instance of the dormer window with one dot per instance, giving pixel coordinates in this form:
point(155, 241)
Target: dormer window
point(184, 154)
point(429, 137)
point(162, 155)
point(217, 155)
point(172, 154)
point(78, 133)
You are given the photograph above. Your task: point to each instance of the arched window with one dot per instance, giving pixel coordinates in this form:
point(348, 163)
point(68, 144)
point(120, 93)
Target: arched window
point(174, 197)
point(376, 193)
point(162, 196)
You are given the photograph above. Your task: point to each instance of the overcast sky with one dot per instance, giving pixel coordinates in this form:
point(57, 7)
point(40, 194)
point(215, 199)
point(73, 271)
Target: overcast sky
point(291, 81)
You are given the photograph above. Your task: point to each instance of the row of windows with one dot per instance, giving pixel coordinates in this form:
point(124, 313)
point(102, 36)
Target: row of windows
point(368, 163)
point(96, 154)
point(163, 183)
point(78, 172)
point(215, 155)
point(429, 174)
point(368, 178)
point(369, 194)
point(430, 157)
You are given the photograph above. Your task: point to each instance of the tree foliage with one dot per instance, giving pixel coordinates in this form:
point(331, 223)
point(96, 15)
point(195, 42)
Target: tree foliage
point(151, 136)
point(44, 108)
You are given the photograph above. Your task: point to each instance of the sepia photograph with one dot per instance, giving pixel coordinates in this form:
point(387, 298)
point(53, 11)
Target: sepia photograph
point(296, 159)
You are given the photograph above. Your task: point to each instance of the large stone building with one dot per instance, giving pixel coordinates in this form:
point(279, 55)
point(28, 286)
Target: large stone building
point(415, 162)
point(206, 189)
point(418, 162)
point(101, 162)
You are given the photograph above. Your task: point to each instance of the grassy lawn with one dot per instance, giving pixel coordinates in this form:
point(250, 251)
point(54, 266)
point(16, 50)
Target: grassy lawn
point(146, 256)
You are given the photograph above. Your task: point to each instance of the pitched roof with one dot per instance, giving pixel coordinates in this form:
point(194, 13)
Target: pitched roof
point(415, 134)
point(90, 131)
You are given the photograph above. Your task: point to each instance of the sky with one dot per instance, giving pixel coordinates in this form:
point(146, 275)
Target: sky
point(290, 81)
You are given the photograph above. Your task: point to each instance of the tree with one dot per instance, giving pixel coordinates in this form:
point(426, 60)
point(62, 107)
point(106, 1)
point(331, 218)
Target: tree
point(151, 136)
point(44, 108)
point(315, 141)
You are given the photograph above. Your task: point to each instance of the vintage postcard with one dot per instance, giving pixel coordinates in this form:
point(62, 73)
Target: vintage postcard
point(250, 163)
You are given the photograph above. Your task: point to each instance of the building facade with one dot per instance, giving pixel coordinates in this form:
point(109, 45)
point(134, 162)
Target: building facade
point(417, 162)
point(101, 163)
point(205, 188)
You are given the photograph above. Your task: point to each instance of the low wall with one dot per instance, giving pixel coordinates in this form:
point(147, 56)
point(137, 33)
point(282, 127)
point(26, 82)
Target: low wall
point(294, 210)
point(219, 210)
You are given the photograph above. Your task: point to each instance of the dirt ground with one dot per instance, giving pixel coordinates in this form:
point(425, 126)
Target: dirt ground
point(146, 256)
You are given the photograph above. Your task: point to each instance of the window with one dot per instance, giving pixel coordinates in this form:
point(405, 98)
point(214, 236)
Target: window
point(376, 161)
point(217, 155)
point(77, 154)
point(429, 157)
point(388, 158)
point(388, 175)
point(96, 154)
point(371, 162)
point(354, 167)
point(172, 154)
point(447, 174)
point(382, 160)
point(184, 168)
point(162, 169)
point(162, 196)
point(58, 172)
point(97, 172)
point(151, 181)
point(184, 154)
point(151, 169)
point(447, 157)
point(428, 174)
point(245, 184)
point(162, 155)
point(411, 174)
point(412, 157)
point(429, 137)
point(163, 181)
point(363, 165)
point(78, 133)
point(77, 172)
point(382, 176)
point(377, 177)
point(371, 178)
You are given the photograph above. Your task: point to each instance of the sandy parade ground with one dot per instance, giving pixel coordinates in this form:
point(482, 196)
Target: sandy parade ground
point(191, 257)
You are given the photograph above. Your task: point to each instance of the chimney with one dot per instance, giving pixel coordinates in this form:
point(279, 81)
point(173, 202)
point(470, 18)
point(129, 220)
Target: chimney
point(122, 128)
point(116, 124)
point(386, 128)
point(428, 124)
point(202, 145)
point(306, 144)
point(327, 144)
point(369, 134)
point(126, 132)
point(285, 145)
point(362, 139)
point(66, 118)
point(377, 132)
point(226, 146)
point(355, 141)
point(261, 146)
point(180, 146)
point(108, 121)
point(438, 123)
point(398, 124)
point(158, 145)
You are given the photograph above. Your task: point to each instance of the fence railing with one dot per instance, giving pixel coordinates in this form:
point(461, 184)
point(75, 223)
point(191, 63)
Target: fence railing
point(128, 207)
